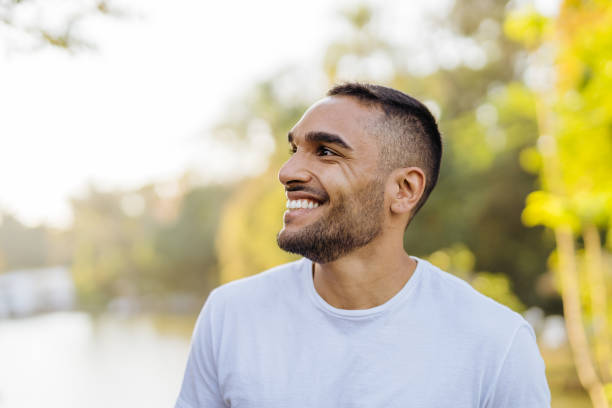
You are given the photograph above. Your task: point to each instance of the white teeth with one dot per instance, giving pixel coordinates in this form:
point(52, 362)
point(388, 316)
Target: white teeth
point(301, 204)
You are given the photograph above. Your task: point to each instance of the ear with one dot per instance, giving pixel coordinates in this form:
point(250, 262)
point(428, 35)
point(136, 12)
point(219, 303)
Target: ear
point(408, 185)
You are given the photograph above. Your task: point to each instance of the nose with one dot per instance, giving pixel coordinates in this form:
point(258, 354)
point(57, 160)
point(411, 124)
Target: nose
point(294, 170)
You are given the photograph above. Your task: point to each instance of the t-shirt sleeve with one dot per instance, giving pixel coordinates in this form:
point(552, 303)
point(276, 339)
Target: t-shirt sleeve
point(200, 386)
point(521, 382)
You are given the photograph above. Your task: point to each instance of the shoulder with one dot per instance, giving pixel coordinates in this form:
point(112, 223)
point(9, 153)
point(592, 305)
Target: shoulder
point(252, 290)
point(500, 342)
point(463, 306)
point(520, 381)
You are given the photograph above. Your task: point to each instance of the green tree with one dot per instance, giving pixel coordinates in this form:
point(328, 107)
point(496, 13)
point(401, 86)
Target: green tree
point(574, 161)
point(186, 246)
point(460, 261)
point(143, 244)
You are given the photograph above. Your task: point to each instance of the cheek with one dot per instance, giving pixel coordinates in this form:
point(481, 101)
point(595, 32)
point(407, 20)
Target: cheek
point(351, 177)
point(342, 179)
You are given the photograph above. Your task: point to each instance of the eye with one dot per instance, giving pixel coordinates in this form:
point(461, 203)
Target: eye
point(324, 151)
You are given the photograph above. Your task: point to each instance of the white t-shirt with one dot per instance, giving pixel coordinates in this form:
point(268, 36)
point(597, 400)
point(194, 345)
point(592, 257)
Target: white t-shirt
point(271, 340)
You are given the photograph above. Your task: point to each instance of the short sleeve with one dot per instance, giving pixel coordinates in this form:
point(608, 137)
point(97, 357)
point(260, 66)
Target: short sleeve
point(521, 382)
point(200, 387)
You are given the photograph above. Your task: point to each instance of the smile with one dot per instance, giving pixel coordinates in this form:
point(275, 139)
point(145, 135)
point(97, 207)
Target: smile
point(306, 204)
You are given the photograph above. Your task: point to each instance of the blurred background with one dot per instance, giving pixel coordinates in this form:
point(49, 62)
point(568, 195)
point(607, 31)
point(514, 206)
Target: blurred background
point(140, 141)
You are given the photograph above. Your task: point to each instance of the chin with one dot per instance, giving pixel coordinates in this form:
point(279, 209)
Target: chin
point(287, 233)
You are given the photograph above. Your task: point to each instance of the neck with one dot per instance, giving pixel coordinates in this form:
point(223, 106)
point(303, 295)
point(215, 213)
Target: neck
point(367, 277)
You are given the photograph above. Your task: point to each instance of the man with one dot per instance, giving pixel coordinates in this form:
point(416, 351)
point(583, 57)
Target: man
point(357, 322)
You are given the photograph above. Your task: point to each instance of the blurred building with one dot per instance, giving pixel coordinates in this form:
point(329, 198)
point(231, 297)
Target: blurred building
point(28, 291)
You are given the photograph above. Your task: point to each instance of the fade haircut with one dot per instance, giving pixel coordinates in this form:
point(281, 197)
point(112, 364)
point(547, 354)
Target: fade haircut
point(407, 132)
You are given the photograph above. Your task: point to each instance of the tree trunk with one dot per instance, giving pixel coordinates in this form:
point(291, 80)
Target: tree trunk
point(597, 289)
point(573, 318)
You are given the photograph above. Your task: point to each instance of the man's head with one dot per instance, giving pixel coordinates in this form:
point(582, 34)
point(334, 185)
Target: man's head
point(407, 133)
point(364, 161)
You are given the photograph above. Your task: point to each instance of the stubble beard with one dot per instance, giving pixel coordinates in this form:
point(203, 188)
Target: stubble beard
point(350, 224)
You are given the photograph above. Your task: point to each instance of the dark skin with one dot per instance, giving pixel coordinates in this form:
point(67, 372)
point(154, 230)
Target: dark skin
point(371, 275)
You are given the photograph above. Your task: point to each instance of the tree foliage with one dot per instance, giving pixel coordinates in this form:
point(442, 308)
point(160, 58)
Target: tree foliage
point(574, 161)
point(460, 261)
point(137, 244)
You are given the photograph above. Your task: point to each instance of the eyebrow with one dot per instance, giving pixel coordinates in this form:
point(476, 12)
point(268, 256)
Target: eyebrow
point(322, 137)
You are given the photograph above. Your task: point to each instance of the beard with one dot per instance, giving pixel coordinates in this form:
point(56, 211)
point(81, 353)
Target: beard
point(348, 225)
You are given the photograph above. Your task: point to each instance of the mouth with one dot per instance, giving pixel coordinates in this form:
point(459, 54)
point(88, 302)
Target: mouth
point(302, 204)
point(298, 209)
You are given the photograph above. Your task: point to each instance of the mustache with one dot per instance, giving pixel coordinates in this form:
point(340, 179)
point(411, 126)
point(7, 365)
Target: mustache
point(319, 194)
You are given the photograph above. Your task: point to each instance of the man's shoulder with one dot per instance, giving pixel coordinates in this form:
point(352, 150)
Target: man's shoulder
point(271, 282)
point(495, 340)
point(460, 302)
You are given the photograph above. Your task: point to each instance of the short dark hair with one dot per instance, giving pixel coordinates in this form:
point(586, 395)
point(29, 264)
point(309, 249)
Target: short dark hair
point(408, 131)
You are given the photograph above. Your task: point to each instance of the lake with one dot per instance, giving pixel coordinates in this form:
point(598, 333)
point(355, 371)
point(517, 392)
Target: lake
point(71, 359)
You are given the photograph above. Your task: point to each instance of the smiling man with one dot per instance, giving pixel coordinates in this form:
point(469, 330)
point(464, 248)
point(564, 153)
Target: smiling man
point(357, 322)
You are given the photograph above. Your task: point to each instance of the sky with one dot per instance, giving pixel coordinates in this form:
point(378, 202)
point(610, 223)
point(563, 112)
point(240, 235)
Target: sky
point(139, 107)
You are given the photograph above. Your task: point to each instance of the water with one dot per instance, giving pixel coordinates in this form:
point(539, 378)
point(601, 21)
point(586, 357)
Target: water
point(72, 360)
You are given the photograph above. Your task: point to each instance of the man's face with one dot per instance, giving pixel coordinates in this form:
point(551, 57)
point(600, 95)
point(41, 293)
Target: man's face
point(334, 187)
